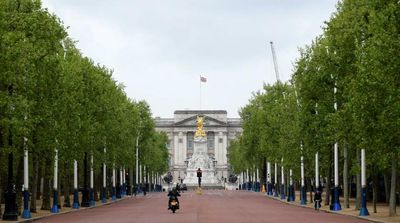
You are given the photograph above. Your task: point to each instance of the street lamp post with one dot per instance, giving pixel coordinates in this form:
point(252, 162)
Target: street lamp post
point(336, 202)
point(119, 187)
point(140, 178)
point(91, 197)
point(363, 209)
point(269, 185)
point(124, 181)
point(137, 164)
point(113, 197)
point(276, 180)
point(283, 196)
point(257, 181)
point(303, 188)
point(316, 171)
point(104, 196)
point(54, 209)
point(26, 212)
point(247, 180)
point(75, 205)
point(291, 195)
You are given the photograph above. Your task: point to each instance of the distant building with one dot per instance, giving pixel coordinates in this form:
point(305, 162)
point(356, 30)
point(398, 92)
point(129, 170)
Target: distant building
point(220, 130)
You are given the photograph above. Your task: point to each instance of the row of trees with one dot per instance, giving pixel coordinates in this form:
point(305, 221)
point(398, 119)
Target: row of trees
point(52, 97)
point(357, 55)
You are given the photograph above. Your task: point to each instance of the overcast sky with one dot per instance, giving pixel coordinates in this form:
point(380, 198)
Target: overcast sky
point(158, 49)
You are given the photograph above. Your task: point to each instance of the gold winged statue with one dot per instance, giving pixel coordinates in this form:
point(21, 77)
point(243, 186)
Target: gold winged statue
point(200, 132)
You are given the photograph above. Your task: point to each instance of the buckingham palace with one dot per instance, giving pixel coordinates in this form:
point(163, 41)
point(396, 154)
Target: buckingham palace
point(219, 131)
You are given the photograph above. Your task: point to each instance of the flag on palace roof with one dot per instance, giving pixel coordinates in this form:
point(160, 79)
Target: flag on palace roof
point(203, 79)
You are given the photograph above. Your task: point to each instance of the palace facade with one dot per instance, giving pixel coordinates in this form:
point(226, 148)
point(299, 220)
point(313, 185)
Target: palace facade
point(180, 129)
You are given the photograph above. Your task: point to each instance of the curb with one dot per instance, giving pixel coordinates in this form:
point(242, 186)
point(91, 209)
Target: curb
point(328, 211)
point(70, 211)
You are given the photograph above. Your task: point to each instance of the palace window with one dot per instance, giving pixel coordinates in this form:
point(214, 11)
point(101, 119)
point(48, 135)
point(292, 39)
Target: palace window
point(210, 141)
point(189, 140)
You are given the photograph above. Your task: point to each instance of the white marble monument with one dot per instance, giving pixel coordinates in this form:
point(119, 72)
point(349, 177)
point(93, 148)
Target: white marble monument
point(200, 159)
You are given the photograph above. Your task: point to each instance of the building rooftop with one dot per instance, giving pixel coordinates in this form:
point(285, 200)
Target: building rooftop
point(200, 112)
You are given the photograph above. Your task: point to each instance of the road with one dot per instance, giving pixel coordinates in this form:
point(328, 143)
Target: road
point(212, 206)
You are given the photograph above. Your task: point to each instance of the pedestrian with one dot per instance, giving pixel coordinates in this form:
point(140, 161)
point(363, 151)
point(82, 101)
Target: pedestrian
point(135, 190)
point(144, 189)
point(317, 199)
point(199, 175)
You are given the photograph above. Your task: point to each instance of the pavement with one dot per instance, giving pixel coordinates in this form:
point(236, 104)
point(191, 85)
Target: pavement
point(210, 206)
point(381, 215)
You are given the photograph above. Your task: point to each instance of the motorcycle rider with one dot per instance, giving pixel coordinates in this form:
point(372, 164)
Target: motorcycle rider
point(173, 194)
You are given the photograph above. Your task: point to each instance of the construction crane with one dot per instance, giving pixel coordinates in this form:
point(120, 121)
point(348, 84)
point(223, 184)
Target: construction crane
point(275, 62)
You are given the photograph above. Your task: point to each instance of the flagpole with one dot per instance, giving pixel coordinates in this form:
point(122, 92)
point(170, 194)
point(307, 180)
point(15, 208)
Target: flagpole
point(200, 92)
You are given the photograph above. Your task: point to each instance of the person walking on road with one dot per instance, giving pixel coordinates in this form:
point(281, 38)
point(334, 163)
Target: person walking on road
point(199, 175)
point(317, 199)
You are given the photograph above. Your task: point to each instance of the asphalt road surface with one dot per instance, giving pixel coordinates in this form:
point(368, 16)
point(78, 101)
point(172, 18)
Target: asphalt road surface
point(212, 206)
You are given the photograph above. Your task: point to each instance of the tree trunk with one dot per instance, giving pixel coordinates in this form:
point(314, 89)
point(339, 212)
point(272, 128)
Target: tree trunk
point(345, 176)
point(264, 174)
point(375, 191)
point(19, 182)
point(1, 185)
point(328, 183)
point(392, 200)
point(99, 184)
point(358, 184)
point(46, 186)
point(386, 182)
point(67, 186)
point(40, 182)
point(35, 180)
point(311, 191)
point(95, 187)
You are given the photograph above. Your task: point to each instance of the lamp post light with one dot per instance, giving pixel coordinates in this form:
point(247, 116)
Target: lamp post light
point(26, 212)
point(54, 208)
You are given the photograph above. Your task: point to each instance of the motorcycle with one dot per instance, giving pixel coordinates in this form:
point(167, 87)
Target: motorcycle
point(173, 204)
